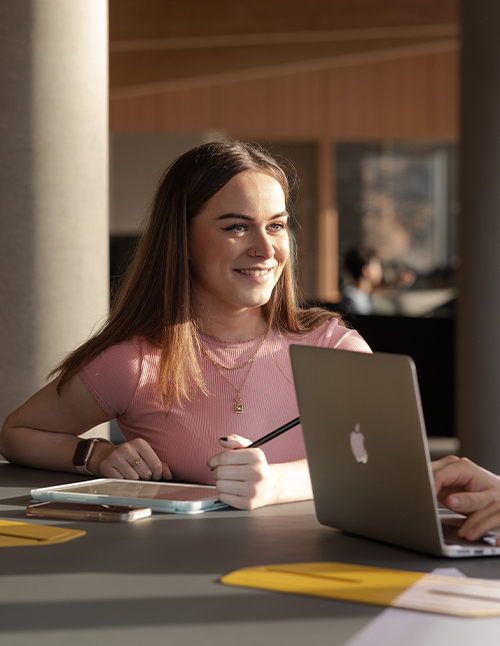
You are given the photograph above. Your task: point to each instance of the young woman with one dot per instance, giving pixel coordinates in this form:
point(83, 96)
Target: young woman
point(194, 356)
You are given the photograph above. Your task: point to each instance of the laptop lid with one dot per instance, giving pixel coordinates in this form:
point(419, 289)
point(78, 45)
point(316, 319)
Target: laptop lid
point(367, 448)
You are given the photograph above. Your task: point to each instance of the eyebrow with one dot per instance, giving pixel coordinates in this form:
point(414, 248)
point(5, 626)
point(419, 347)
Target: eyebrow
point(249, 218)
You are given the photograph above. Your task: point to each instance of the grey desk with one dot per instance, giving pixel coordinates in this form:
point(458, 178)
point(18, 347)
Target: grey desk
point(155, 581)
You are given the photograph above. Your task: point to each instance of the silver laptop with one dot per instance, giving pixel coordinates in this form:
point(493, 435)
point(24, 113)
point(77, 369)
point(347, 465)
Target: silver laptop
point(367, 450)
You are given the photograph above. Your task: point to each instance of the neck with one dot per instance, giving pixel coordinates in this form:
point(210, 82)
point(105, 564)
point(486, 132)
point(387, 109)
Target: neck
point(240, 326)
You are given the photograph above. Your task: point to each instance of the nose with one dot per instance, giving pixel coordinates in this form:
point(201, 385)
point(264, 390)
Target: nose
point(261, 246)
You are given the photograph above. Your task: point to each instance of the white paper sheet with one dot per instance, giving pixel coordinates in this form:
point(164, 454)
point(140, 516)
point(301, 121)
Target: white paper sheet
point(395, 627)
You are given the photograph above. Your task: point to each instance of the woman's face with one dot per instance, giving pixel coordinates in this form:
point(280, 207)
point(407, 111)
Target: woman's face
point(238, 244)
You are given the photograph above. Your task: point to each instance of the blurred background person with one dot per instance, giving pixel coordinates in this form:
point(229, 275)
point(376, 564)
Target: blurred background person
point(364, 271)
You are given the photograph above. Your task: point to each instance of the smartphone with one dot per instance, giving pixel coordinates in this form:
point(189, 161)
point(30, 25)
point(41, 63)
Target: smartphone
point(87, 511)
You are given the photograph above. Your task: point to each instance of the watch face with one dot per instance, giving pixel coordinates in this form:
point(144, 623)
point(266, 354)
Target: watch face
point(82, 453)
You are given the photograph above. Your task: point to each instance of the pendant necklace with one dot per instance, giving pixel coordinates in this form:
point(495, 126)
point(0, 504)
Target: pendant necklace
point(238, 404)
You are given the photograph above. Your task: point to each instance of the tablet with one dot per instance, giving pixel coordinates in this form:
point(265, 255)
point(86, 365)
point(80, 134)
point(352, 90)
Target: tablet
point(166, 497)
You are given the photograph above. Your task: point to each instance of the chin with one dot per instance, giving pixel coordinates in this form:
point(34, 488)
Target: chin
point(251, 303)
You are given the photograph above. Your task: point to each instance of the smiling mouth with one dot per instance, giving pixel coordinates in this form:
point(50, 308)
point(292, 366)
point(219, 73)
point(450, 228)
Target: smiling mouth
point(254, 272)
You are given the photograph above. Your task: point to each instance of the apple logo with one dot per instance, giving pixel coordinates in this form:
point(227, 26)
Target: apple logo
point(358, 445)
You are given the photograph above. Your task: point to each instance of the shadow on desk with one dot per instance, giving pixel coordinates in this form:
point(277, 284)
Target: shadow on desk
point(229, 607)
point(162, 573)
point(211, 542)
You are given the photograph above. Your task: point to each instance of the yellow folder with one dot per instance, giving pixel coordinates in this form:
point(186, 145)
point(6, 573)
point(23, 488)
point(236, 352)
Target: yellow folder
point(13, 534)
point(385, 587)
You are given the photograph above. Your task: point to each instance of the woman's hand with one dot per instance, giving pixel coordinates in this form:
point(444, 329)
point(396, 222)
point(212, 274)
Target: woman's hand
point(245, 480)
point(467, 489)
point(134, 460)
point(44, 432)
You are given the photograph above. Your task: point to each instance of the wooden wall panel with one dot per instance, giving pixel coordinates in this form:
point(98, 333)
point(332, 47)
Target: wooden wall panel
point(187, 111)
point(135, 114)
point(296, 105)
point(446, 95)
point(354, 102)
point(414, 99)
point(406, 98)
point(240, 107)
point(130, 19)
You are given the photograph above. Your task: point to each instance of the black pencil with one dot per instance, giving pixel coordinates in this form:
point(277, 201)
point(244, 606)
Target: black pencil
point(273, 434)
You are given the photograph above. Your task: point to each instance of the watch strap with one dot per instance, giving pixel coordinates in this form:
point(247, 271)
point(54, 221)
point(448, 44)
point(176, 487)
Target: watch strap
point(82, 468)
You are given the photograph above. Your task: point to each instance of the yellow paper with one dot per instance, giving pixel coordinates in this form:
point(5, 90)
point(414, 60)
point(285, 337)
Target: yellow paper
point(379, 586)
point(333, 580)
point(13, 534)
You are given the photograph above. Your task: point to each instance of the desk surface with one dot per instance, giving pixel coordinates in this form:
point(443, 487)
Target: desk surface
point(155, 580)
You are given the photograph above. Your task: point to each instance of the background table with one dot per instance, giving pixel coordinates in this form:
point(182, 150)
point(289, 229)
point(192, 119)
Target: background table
point(155, 581)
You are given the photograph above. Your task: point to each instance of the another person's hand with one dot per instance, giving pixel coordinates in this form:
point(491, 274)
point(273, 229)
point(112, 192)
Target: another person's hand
point(134, 460)
point(244, 478)
point(468, 489)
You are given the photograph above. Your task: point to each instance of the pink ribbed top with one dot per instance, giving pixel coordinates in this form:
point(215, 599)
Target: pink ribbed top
point(123, 379)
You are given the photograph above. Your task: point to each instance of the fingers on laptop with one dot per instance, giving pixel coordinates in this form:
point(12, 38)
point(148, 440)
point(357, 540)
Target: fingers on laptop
point(452, 474)
point(468, 489)
point(482, 521)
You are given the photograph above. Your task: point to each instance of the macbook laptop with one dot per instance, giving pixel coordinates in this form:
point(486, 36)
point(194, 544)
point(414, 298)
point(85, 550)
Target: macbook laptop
point(367, 449)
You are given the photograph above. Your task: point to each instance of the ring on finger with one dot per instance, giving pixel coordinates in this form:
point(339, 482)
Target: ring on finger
point(136, 462)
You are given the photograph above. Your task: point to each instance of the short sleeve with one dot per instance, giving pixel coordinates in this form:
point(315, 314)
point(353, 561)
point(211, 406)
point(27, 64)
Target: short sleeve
point(342, 338)
point(112, 377)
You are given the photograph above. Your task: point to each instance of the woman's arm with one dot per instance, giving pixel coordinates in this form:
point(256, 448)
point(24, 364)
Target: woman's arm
point(467, 489)
point(43, 433)
point(245, 480)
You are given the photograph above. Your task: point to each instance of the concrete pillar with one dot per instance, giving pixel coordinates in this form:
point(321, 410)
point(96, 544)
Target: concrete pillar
point(479, 232)
point(53, 185)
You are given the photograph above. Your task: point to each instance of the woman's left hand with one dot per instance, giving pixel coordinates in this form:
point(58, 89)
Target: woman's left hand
point(244, 478)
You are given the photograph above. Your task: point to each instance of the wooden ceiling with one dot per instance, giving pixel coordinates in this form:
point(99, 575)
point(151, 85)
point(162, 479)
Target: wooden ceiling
point(158, 45)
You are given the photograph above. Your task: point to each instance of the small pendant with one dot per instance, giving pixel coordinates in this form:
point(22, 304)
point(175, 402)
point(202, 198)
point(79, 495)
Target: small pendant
point(238, 406)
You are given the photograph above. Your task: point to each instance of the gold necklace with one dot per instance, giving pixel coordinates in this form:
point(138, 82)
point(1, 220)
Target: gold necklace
point(251, 360)
point(238, 404)
point(277, 366)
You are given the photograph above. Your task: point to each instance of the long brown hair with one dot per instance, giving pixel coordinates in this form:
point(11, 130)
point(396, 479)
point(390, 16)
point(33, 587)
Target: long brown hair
point(155, 300)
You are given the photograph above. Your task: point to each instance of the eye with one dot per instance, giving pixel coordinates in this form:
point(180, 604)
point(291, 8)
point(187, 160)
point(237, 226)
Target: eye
point(278, 226)
point(236, 228)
